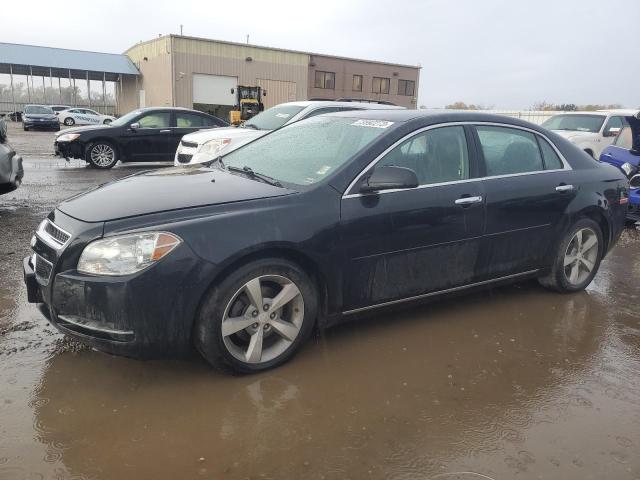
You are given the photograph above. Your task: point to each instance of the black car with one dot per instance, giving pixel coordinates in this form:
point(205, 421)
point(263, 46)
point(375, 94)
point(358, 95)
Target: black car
point(11, 171)
point(317, 221)
point(39, 117)
point(145, 135)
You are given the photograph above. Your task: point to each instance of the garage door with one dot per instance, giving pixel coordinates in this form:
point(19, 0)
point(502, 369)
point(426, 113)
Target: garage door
point(278, 91)
point(214, 89)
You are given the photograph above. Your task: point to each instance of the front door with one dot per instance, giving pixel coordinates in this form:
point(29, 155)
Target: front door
point(528, 189)
point(405, 243)
point(150, 141)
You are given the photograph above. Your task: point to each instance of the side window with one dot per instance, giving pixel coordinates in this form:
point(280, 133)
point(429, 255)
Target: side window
point(438, 155)
point(189, 120)
point(551, 159)
point(509, 150)
point(624, 139)
point(155, 120)
point(613, 126)
point(91, 112)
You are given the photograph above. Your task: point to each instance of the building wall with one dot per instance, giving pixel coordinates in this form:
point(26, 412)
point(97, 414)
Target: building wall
point(192, 55)
point(346, 68)
point(153, 59)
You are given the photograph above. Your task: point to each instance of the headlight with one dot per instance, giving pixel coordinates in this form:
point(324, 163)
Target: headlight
point(126, 254)
point(627, 168)
point(210, 150)
point(68, 137)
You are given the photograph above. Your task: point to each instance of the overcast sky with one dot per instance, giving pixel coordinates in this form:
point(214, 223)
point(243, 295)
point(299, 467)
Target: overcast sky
point(498, 53)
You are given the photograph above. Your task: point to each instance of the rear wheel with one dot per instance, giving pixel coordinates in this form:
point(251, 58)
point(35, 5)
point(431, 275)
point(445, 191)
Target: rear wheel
point(578, 258)
point(69, 122)
point(101, 155)
point(107, 121)
point(257, 318)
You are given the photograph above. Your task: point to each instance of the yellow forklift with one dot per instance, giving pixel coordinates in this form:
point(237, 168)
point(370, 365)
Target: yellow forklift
point(248, 103)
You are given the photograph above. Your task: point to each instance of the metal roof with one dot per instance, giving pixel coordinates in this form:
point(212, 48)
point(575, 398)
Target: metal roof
point(22, 58)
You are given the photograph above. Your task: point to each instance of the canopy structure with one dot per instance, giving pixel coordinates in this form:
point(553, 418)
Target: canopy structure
point(35, 61)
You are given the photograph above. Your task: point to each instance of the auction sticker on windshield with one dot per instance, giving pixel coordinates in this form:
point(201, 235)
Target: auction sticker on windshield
point(372, 123)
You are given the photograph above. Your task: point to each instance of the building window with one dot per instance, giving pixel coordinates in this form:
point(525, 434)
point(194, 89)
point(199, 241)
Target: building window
point(406, 87)
point(357, 83)
point(325, 80)
point(380, 85)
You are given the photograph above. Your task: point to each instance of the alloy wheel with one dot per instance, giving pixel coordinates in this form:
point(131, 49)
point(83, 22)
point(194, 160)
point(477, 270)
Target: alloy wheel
point(102, 155)
point(262, 319)
point(581, 256)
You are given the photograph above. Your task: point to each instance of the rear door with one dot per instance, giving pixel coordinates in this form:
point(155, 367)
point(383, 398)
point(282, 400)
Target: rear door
point(150, 141)
point(528, 188)
point(405, 243)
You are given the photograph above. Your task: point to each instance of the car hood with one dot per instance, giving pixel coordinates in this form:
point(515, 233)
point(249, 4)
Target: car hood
point(574, 135)
point(164, 190)
point(234, 133)
point(82, 129)
point(44, 116)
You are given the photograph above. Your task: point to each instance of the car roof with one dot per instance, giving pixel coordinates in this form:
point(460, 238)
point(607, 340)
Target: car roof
point(332, 103)
point(601, 113)
point(177, 109)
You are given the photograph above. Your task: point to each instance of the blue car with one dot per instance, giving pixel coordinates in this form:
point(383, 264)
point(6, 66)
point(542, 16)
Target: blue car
point(624, 153)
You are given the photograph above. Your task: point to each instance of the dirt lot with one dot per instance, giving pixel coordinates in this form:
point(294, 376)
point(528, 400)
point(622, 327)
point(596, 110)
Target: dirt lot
point(517, 382)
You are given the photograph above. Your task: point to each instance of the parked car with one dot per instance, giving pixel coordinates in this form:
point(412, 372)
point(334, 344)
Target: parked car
point(624, 153)
point(145, 135)
point(59, 108)
point(83, 116)
point(39, 117)
point(11, 171)
point(202, 147)
point(320, 220)
point(590, 131)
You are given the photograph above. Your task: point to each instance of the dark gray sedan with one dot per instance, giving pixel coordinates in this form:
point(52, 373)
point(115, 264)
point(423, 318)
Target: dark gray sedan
point(11, 171)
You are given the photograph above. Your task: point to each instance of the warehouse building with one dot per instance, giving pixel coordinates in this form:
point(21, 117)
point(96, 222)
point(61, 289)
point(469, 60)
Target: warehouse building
point(202, 74)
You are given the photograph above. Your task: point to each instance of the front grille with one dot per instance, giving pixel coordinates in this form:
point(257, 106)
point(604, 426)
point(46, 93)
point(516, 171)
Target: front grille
point(184, 158)
point(57, 234)
point(189, 144)
point(42, 269)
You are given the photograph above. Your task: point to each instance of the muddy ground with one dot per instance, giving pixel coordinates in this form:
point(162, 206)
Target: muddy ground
point(516, 382)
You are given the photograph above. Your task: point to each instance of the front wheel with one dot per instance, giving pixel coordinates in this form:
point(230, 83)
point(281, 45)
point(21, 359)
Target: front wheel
point(69, 122)
point(577, 259)
point(257, 318)
point(101, 155)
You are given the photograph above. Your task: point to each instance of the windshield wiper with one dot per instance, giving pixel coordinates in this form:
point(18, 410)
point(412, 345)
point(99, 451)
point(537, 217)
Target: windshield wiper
point(250, 125)
point(251, 174)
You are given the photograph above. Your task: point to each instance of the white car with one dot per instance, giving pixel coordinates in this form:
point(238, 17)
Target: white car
point(83, 116)
point(206, 145)
point(590, 131)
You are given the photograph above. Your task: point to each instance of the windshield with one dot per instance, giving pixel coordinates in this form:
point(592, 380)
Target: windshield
point(307, 151)
point(578, 123)
point(125, 119)
point(274, 117)
point(37, 110)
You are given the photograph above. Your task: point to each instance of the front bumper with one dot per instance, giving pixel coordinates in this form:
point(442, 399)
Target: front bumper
point(68, 149)
point(144, 315)
point(44, 124)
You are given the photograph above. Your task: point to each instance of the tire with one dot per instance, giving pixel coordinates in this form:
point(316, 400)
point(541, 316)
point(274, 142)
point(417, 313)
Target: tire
point(107, 122)
point(26, 129)
point(102, 155)
point(590, 153)
point(231, 352)
point(563, 277)
point(69, 122)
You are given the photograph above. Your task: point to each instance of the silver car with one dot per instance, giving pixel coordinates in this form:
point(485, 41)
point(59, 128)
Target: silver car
point(11, 171)
point(206, 145)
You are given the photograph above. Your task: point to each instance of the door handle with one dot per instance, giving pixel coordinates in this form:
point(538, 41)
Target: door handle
point(564, 188)
point(165, 131)
point(468, 200)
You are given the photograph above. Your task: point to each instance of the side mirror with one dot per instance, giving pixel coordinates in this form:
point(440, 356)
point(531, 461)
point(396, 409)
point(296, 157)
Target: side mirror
point(134, 126)
point(635, 181)
point(389, 178)
point(612, 132)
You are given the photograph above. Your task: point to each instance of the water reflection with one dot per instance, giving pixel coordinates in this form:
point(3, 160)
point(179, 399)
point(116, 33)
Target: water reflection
point(391, 397)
